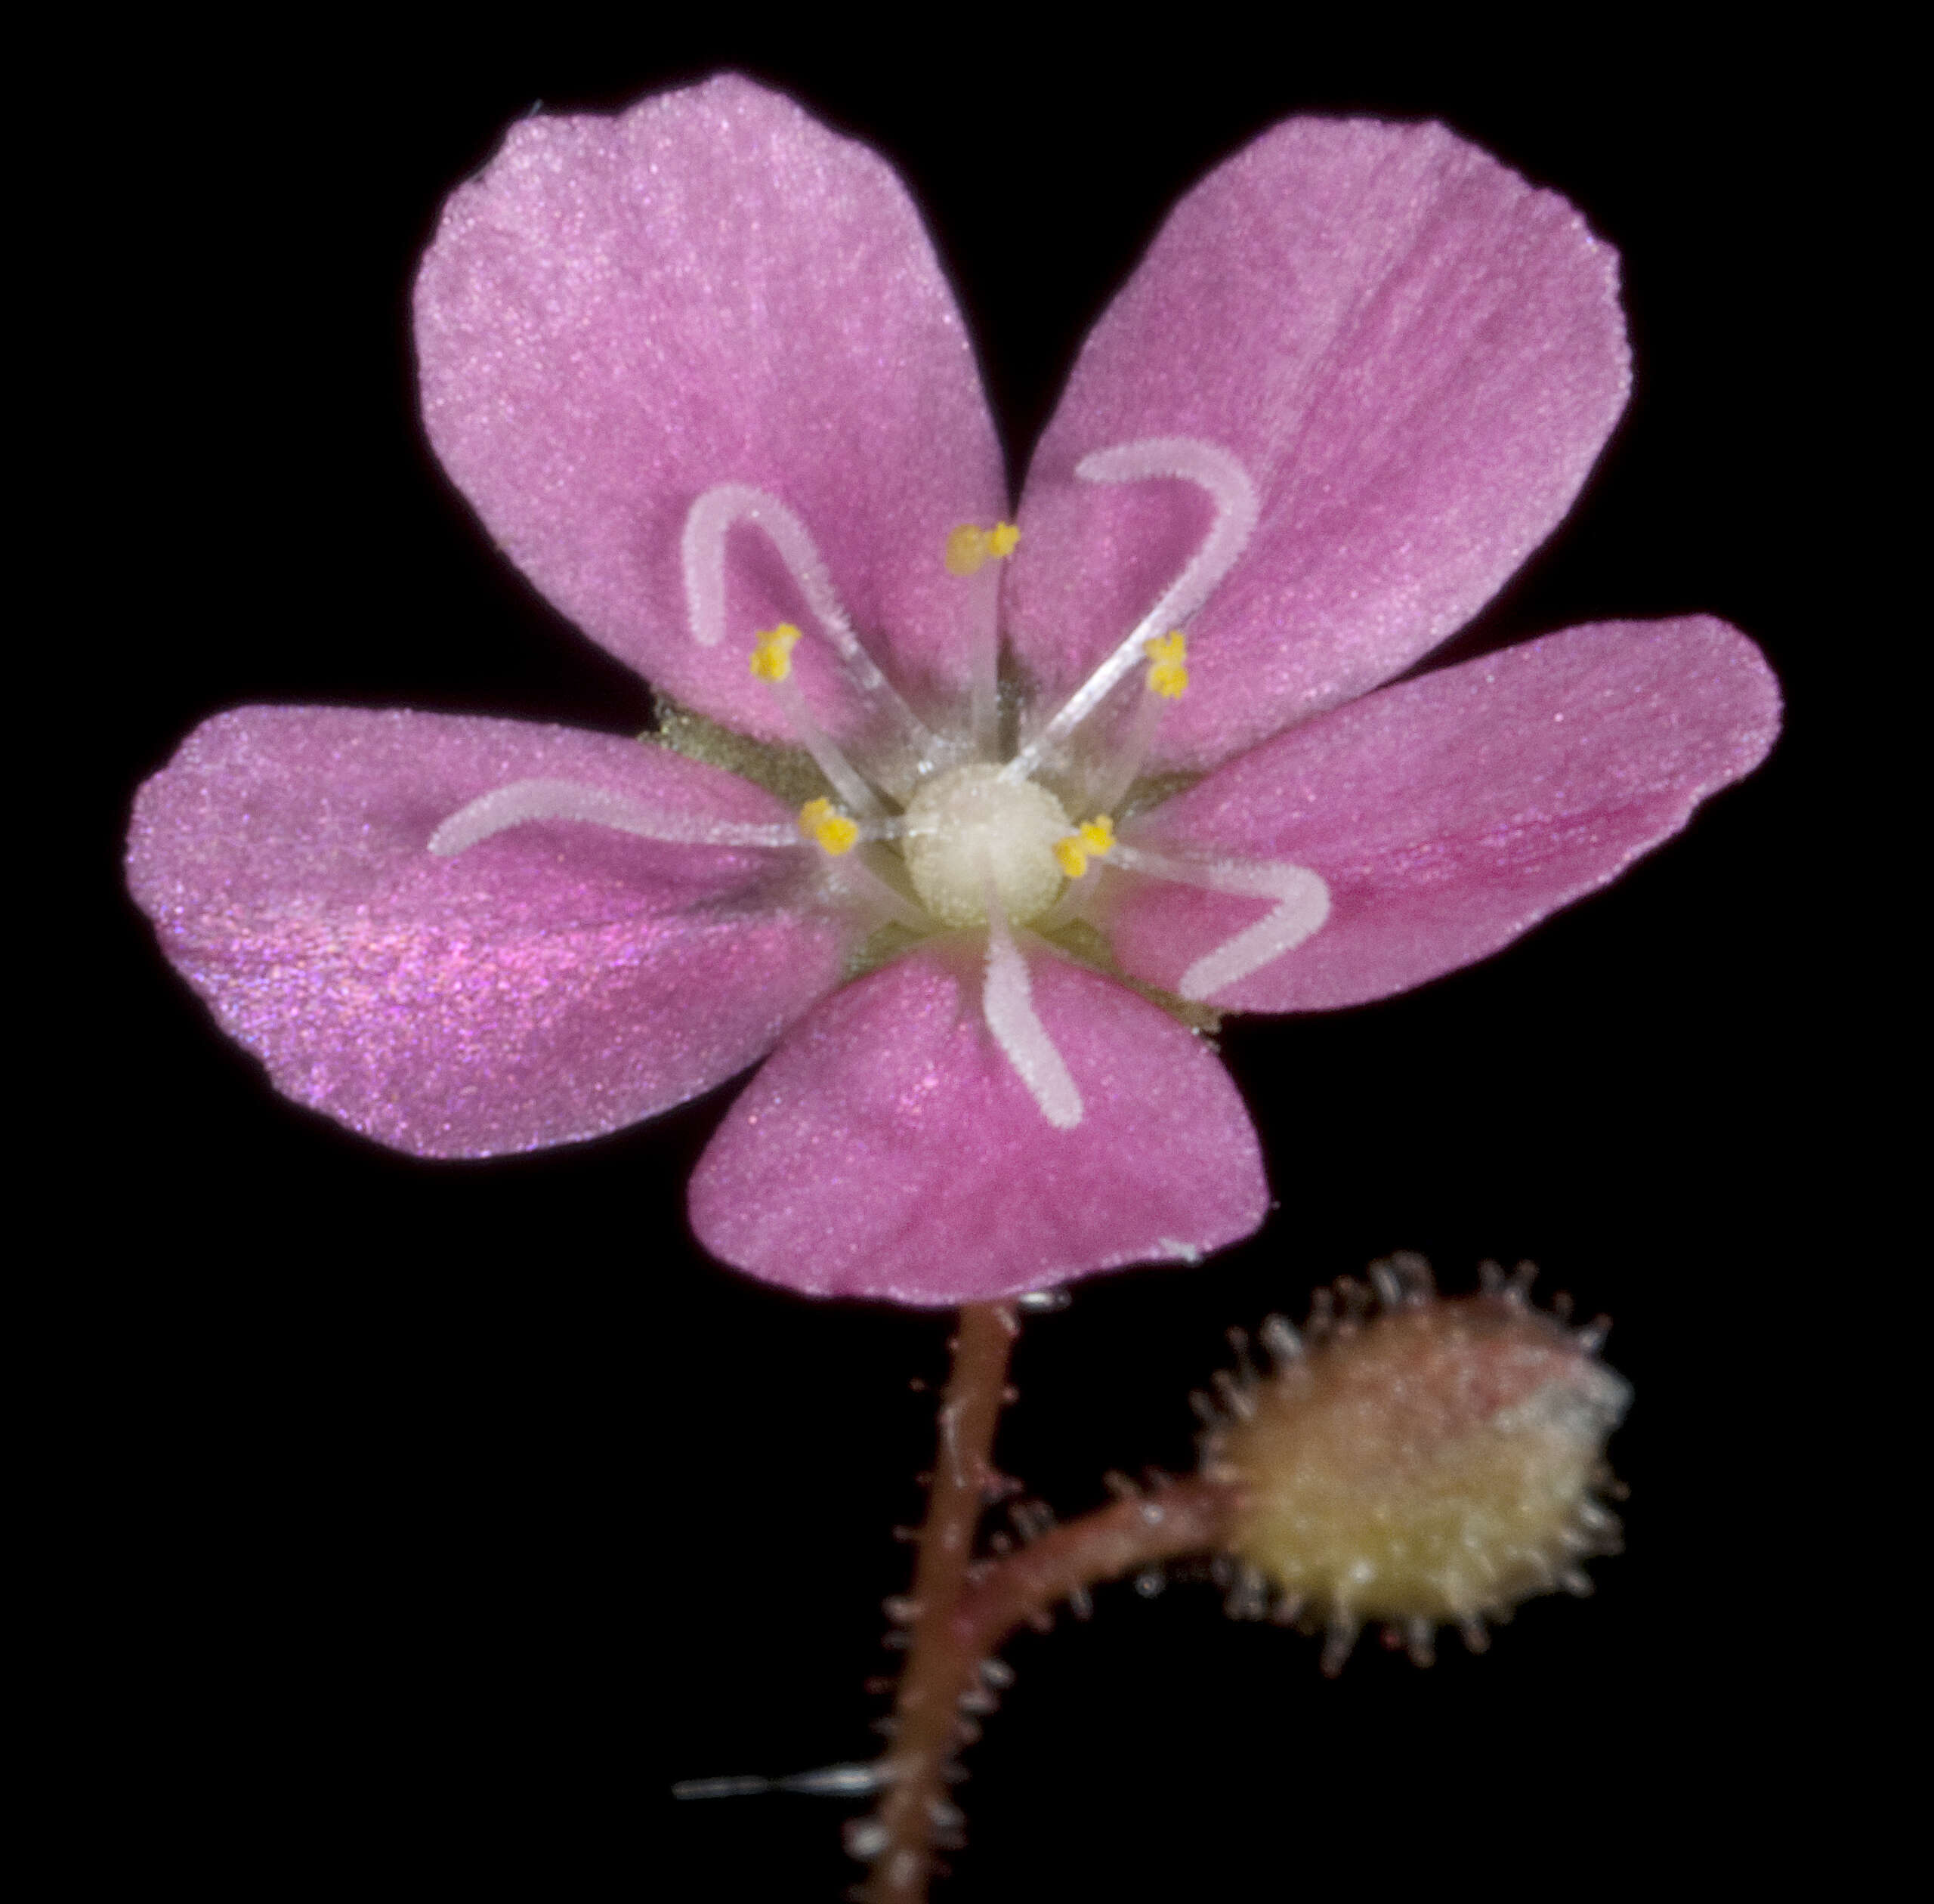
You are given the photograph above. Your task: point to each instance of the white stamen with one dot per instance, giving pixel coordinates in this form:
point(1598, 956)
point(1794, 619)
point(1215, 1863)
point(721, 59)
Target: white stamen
point(1117, 774)
point(1007, 998)
point(1189, 460)
point(846, 778)
point(505, 807)
point(701, 549)
point(985, 658)
point(873, 890)
point(1303, 905)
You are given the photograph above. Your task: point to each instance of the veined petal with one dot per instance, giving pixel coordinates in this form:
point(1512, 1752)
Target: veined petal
point(620, 314)
point(1449, 814)
point(888, 1148)
point(556, 981)
point(1416, 357)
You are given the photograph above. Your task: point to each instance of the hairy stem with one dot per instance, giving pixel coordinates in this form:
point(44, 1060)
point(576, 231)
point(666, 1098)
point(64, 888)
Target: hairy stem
point(1177, 1519)
point(962, 1611)
point(927, 1712)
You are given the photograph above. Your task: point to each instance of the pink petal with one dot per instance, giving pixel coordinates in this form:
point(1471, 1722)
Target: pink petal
point(621, 313)
point(1416, 357)
point(888, 1149)
point(1450, 813)
point(557, 982)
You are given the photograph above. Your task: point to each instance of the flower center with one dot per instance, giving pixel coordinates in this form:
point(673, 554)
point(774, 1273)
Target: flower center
point(969, 825)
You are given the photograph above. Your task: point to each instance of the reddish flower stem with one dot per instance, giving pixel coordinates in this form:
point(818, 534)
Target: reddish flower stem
point(927, 1712)
point(956, 1625)
point(1179, 1518)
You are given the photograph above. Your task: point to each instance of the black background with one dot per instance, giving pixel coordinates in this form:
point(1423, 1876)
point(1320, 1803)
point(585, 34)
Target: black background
point(446, 1514)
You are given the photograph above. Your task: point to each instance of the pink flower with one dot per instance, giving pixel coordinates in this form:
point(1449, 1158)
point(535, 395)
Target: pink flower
point(697, 370)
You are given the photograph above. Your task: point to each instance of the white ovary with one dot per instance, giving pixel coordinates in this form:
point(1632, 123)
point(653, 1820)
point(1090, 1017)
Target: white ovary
point(970, 825)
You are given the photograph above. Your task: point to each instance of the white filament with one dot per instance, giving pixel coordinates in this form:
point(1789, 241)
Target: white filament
point(1007, 998)
point(1302, 903)
point(847, 779)
point(984, 690)
point(526, 800)
point(877, 894)
point(1188, 460)
point(1106, 788)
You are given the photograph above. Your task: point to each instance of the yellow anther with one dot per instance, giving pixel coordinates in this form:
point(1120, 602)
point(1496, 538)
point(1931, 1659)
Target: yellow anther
point(832, 831)
point(1092, 839)
point(772, 658)
point(966, 548)
point(969, 546)
point(1167, 675)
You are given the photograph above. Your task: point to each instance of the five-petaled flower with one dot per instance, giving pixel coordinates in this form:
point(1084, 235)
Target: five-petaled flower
point(1029, 794)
